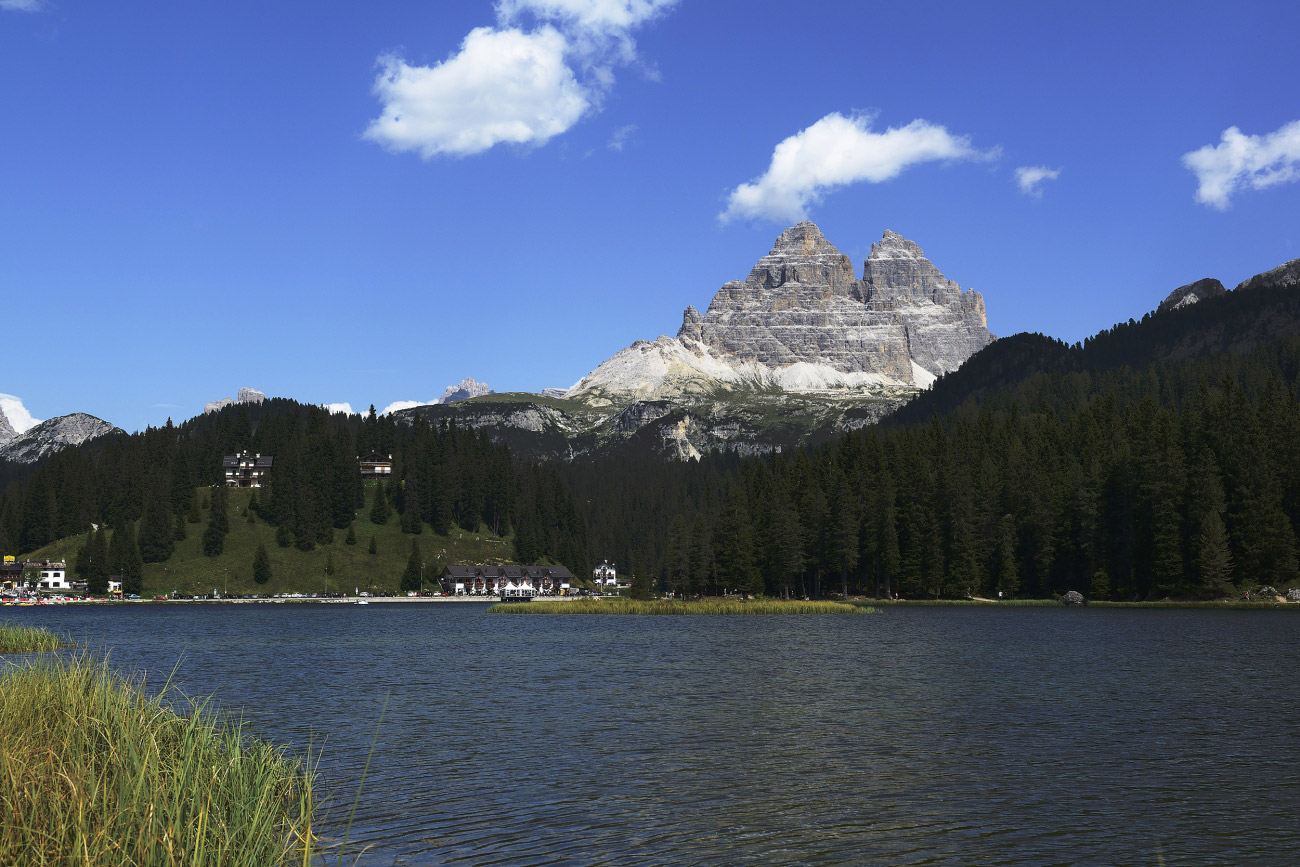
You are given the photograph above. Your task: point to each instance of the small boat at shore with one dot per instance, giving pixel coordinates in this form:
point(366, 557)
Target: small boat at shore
point(362, 602)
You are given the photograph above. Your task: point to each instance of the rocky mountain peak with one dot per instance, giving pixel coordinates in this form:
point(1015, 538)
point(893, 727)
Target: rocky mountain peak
point(1284, 275)
point(1192, 293)
point(897, 269)
point(692, 324)
point(54, 435)
point(7, 431)
point(802, 255)
point(465, 389)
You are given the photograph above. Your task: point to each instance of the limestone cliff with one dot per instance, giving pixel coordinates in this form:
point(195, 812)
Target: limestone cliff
point(803, 321)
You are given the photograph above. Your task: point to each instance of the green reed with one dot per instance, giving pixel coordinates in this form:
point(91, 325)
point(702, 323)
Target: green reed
point(94, 771)
point(676, 606)
point(28, 639)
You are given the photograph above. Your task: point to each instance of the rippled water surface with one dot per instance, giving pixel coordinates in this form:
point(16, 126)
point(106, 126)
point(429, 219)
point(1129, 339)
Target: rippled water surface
point(917, 736)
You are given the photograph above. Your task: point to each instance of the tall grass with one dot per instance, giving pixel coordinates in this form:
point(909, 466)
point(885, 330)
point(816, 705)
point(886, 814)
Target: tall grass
point(1221, 604)
point(675, 606)
point(27, 639)
point(94, 771)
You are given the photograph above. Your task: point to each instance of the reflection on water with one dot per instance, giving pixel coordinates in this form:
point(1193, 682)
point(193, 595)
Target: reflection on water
point(1012, 736)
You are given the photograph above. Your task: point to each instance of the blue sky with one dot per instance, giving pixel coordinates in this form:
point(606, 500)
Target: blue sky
point(365, 202)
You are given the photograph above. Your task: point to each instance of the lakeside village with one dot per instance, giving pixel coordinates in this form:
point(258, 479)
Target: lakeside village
point(41, 582)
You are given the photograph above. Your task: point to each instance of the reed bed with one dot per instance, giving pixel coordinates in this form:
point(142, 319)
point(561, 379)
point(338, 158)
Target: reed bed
point(1221, 604)
point(28, 639)
point(95, 772)
point(676, 606)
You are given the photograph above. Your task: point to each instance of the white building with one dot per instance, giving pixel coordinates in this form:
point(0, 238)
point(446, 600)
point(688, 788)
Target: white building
point(604, 575)
point(54, 576)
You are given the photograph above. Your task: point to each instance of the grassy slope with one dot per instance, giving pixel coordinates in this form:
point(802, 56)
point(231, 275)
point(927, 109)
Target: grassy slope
point(189, 571)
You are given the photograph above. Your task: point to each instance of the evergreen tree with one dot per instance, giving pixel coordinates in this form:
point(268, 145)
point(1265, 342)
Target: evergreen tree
point(379, 510)
point(194, 515)
point(373, 549)
point(351, 538)
point(1214, 557)
point(1007, 572)
point(96, 570)
point(178, 531)
point(157, 530)
point(411, 577)
point(214, 537)
point(261, 565)
point(283, 536)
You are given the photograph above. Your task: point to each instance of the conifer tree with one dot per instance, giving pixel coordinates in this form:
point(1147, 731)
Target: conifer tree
point(379, 510)
point(351, 538)
point(261, 565)
point(283, 536)
point(157, 530)
point(97, 564)
point(1213, 556)
point(373, 549)
point(194, 515)
point(178, 531)
point(411, 577)
point(1008, 575)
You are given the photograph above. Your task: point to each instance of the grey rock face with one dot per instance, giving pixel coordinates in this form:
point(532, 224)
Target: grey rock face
point(1284, 275)
point(244, 395)
point(7, 431)
point(1072, 597)
point(803, 321)
point(1191, 294)
point(465, 389)
point(54, 435)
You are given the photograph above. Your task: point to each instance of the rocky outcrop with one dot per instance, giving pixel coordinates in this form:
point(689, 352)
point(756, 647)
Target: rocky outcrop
point(7, 431)
point(1283, 276)
point(803, 321)
point(244, 395)
point(1191, 294)
point(54, 435)
point(465, 389)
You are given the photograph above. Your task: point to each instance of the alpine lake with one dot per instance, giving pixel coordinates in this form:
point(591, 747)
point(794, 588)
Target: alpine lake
point(914, 736)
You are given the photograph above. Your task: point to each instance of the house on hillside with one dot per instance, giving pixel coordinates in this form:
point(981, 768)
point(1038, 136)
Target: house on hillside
point(512, 581)
point(11, 573)
point(246, 470)
point(605, 575)
point(53, 575)
point(376, 466)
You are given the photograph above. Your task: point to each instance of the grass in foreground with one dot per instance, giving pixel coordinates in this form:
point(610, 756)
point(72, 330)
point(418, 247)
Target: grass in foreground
point(94, 771)
point(28, 639)
point(1221, 604)
point(676, 606)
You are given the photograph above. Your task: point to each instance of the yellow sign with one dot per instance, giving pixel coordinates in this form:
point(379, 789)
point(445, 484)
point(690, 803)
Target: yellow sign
point(9, 558)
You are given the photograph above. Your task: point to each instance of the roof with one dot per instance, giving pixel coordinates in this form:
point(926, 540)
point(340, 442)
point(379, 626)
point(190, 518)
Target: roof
point(261, 462)
point(469, 573)
point(375, 458)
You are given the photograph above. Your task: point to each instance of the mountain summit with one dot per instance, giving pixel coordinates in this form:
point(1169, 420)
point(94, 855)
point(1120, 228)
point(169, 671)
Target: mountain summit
point(803, 321)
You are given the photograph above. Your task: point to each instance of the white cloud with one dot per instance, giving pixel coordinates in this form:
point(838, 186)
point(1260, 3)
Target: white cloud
point(22, 5)
point(1238, 161)
point(344, 408)
point(508, 85)
point(504, 86)
point(621, 137)
point(587, 14)
point(836, 151)
point(1029, 179)
point(405, 404)
point(19, 418)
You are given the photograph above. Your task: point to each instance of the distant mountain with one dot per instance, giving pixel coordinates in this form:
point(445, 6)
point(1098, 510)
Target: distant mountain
point(54, 435)
point(245, 395)
point(7, 431)
point(802, 321)
point(1262, 309)
point(464, 390)
point(1191, 294)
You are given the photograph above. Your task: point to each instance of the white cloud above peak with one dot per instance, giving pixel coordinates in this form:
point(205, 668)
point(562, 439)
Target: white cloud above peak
point(1239, 161)
point(19, 418)
point(1030, 179)
point(506, 84)
point(22, 5)
point(837, 151)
